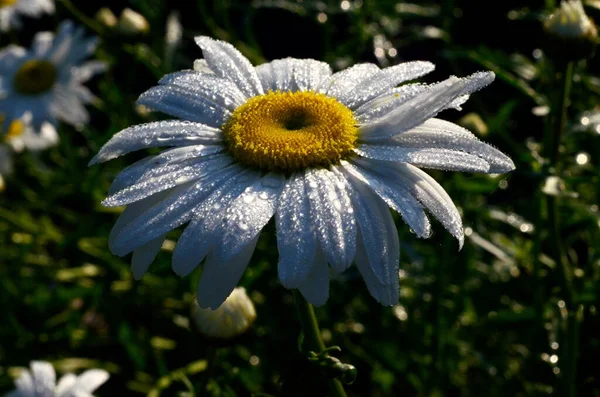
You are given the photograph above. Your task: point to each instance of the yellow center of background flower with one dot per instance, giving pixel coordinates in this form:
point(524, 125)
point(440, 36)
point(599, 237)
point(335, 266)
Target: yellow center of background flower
point(35, 77)
point(13, 130)
point(290, 131)
point(5, 3)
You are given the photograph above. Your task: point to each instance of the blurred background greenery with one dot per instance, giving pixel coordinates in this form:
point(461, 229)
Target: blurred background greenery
point(494, 319)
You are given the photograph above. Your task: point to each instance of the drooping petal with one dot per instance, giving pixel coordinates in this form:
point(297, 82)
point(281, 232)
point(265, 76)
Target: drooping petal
point(377, 233)
point(425, 189)
point(221, 91)
point(132, 212)
point(165, 177)
point(424, 105)
point(185, 104)
point(315, 288)
point(144, 255)
point(296, 239)
point(248, 214)
point(220, 278)
point(383, 80)
point(333, 217)
point(339, 84)
point(395, 195)
point(386, 294)
point(291, 74)
point(227, 62)
point(156, 134)
point(441, 159)
point(201, 234)
point(171, 212)
point(42, 43)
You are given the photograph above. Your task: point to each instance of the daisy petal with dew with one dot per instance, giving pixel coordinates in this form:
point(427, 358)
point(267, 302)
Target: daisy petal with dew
point(47, 81)
point(325, 154)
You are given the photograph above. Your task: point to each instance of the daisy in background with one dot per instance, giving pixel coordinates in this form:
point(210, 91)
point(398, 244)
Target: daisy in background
point(41, 382)
point(324, 153)
point(46, 81)
point(12, 10)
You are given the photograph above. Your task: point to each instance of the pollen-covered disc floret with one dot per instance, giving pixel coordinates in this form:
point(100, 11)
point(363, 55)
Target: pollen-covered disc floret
point(325, 154)
point(290, 131)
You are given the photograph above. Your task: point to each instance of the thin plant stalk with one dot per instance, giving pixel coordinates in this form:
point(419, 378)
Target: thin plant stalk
point(312, 337)
point(570, 344)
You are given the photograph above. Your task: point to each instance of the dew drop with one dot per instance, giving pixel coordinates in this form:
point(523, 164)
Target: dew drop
point(248, 198)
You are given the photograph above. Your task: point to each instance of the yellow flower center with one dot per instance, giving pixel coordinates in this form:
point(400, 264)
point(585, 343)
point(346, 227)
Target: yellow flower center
point(5, 3)
point(290, 131)
point(14, 129)
point(35, 77)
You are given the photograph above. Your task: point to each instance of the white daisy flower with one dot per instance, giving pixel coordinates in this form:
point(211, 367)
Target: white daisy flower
point(41, 382)
point(12, 10)
point(47, 80)
point(325, 154)
point(20, 135)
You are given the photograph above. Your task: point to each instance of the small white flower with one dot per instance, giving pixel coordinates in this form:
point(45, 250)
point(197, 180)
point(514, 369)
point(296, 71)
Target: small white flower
point(229, 320)
point(20, 135)
point(132, 22)
point(41, 382)
point(324, 153)
point(47, 80)
point(11, 11)
point(570, 21)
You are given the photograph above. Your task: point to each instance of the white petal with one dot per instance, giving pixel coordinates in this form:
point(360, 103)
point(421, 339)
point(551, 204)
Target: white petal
point(86, 71)
point(423, 106)
point(42, 42)
point(377, 233)
point(441, 159)
point(168, 161)
point(383, 80)
point(200, 235)
point(44, 377)
point(395, 195)
point(248, 214)
point(296, 239)
point(220, 91)
point(343, 82)
point(227, 62)
point(144, 255)
point(156, 134)
point(25, 384)
point(293, 74)
point(90, 380)
point(174, 210)
point(386, 294)
point(132, 212)
point(65, 384)
point(220, 278)
point(454, 138)
point(185, 104)
point(165, 177)
point(315, 288)
point(332, 216)
point(425, 189)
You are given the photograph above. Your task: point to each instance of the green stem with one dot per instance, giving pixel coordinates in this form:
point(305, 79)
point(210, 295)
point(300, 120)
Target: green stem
point(89, 22)
point(552, 153)
point(312, 336)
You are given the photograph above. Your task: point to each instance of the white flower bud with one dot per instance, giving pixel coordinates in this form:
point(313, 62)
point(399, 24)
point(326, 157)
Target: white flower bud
point(570, 21)
point(231, 319)
point(131, 22)
point(106, 17)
